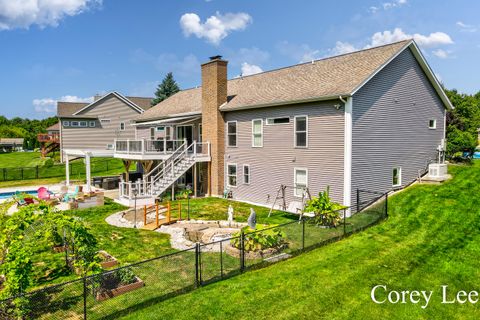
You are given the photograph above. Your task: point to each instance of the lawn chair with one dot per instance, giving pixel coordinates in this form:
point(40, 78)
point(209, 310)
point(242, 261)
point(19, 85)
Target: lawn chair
point(72, 195)
point(43, 194)
point(18, 197)
point(28, 201)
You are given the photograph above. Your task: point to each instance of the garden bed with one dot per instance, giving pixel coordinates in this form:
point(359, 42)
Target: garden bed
point(254, 255)
point(108, 261)
point(111, 293)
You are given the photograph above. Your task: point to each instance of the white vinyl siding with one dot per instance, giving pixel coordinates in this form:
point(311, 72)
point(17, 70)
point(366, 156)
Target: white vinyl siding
point(232, 175)
point(257, 133)
point(301, 131)
point(300, 181)
point(232, 133)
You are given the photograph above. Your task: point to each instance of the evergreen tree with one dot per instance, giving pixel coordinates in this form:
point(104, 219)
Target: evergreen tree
point(167, 88)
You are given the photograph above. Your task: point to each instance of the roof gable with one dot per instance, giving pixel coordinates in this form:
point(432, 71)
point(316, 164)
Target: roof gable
point(105, 97)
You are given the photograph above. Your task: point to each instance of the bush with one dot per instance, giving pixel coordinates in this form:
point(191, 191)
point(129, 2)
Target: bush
point(259, 239)
point(48, 163)
point(327, 212)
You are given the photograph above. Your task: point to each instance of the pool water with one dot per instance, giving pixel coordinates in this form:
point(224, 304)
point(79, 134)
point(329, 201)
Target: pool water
point(476, 155)
point(6, 195)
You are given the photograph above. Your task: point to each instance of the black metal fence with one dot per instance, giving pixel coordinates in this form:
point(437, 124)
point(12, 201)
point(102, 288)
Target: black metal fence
point(121, 291)
point(77, 169)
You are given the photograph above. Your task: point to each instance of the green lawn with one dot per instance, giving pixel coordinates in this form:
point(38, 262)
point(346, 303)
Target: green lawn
point(20, 168)
point(431, 239)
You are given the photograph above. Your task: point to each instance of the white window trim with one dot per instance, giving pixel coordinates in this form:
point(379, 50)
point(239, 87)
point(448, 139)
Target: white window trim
point(91, 124)
point(249, 174)
point(399, 184)
point(295, 131)
point(109, 146)
point(295, 180)
point(228, 175)
point(434, 124)
point(122, 124)
point(83, 126)
point(276, 124)
point(236, 134)
point(75, 125)
point(261, 133)
point(66, 123)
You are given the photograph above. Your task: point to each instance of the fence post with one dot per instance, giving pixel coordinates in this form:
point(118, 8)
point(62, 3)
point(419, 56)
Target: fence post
point(85, 297)
point(358, 200)
point(303, 233)
point(386, 205)
point(242, 251)
point(197, 265)
point(345, 221)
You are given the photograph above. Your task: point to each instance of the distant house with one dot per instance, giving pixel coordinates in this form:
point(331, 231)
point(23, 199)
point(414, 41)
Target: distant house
point(371, 119)
point(11, 144)
point(50, 141)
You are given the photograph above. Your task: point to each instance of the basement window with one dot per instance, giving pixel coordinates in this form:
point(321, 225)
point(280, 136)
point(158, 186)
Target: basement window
point(282, 120)
point(432, 124)
point(396, 177)
point(232, 175)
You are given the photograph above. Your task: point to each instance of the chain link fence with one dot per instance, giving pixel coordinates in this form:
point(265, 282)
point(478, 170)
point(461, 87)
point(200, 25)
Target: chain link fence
point(118, 292)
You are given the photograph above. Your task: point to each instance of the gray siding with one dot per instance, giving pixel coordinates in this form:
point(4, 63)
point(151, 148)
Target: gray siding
point(390, 117)
point(104, 133)
point(274, 163)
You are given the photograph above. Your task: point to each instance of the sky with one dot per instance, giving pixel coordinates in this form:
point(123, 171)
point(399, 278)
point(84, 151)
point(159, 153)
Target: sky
point(70, 50)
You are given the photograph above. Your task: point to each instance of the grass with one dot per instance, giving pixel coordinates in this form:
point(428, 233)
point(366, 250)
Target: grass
point(430, 239)
point(20, 168)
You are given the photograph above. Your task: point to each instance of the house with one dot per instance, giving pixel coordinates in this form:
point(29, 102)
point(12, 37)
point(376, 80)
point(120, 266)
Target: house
point(50, 141)
point(372, 119)
point(11, 144)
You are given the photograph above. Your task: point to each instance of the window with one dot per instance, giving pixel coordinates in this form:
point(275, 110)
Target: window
point(257, 133)
point(301, 131)
point(232, 133)
point(300, 181)
point(232, 175)
point(74, 123)
point(66, 123)
point(283, 120)
point(83, 124)
point(246, 174)
point(122, 126)
point(109, 146)
point(432, 124)
point(105, 121)
point(92, 124)
point(152, 133)
point(397, 177)
point(160, 129)
point(168, 133)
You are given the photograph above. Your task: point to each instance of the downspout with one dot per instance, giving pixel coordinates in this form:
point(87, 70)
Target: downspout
point(343, 100)
point(347, 160)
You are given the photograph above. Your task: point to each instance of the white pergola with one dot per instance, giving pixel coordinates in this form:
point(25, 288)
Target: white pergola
point(87, 154)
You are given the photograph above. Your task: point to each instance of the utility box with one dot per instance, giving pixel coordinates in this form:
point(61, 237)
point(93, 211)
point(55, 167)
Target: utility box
point(438, 170)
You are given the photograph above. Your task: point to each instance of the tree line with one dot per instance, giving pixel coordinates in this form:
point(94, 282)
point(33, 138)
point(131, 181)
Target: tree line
point(25, 128)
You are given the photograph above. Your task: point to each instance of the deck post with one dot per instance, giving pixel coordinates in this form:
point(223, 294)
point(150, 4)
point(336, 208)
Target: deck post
point(195, 179)
point(89, 173)
point(67, 170)
point(165, 144)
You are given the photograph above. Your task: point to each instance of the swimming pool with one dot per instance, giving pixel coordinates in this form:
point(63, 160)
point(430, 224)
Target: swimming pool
point(6, 195)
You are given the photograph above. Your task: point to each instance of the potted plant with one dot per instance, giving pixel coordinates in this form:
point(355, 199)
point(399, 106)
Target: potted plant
point(326, 211)
point(116, 282)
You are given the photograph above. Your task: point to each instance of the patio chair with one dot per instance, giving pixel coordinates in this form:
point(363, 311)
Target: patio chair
point(72, 195)
point(28, 201)
point(43, 193)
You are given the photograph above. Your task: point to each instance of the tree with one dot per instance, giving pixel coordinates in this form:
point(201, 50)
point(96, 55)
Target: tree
point(462, 122)
point(167, 88)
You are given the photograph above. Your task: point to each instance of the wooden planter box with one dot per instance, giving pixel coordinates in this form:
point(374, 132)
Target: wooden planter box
point(110, 263)
point(101, 296)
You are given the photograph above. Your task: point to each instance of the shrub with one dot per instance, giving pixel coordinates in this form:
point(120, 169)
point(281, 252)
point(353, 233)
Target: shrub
point(327, 212)
point(259, 239)
point(48, 163)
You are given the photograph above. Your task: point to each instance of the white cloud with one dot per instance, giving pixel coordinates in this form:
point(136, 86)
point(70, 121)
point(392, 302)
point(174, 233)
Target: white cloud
point(49, 105)
point(249, 69)
point(388, 5)
point(25, 13)
point(301, 53)
point(440, 53)
point(434, 39)
point(342, 48)
point(216, 27)
point(466, 27)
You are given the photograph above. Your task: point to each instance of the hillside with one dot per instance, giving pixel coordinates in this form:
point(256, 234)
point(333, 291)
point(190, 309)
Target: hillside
point(431, 239)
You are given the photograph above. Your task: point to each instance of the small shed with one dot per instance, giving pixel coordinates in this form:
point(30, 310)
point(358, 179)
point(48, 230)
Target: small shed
point(11, 144)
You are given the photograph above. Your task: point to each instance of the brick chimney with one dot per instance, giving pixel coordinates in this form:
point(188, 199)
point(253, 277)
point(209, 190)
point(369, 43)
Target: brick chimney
point(214, 94)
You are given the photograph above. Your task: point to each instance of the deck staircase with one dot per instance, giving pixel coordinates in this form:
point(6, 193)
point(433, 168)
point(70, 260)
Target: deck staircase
point(168, 171)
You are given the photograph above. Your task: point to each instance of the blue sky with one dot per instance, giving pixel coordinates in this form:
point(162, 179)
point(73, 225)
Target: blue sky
point(78, 48)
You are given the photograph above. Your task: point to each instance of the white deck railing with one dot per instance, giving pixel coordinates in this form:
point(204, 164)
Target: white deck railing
point(145, 146)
